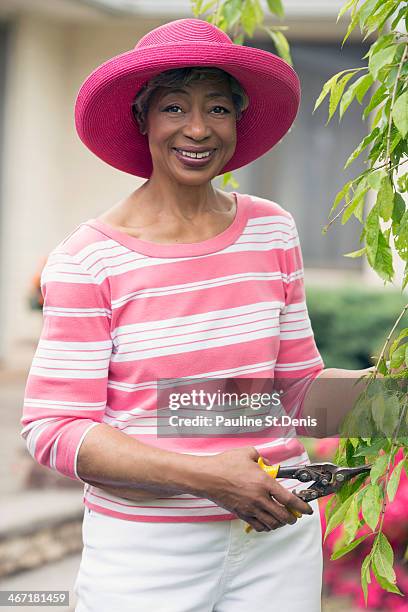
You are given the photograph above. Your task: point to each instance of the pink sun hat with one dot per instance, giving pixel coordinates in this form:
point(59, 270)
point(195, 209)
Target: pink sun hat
point(103, 114)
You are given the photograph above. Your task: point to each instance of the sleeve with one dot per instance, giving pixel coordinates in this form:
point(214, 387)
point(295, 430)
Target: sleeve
point(66, 389)
point(298, 361)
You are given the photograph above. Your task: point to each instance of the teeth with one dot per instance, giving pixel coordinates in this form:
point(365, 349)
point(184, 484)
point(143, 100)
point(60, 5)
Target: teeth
point(194, 155)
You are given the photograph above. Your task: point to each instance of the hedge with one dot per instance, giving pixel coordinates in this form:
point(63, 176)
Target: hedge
point(350, 323)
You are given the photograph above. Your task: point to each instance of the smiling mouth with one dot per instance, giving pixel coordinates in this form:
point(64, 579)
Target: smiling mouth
point(195, 155)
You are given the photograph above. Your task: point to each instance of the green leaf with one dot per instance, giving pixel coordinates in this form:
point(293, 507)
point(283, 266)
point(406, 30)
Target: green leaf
point(248, 17)
point(398, 212)
point(336, 93)
point(355, 254)
point(352, 25)
point(383, 41)
point(347, 98)
point(259, 14)
point(196, 7)
point(345, 8)
point(329, 507)
point(402, 182)
point(405, 278)
point(378, 96)
point(366, 141)
point(380, 59)
point(391, 415)
point(401, 13)
point(371, 230)
point(377, 410)
point(401, 240)
point(232, 12)
point(390, 76)
point(383, 559)
point(374, 178)
point(207, 6)
point(338, 516)
point(398, 357)
point(400, 113)
point(275, 6)
point(341, 194)
point(384, 583)
point(327, 87)
point(375, 21)
point(395, 139)
point(378, 468)
point(358, 199)
point(363, 87)
point(373, 449)
point(353, 486)
point(402, 334)
point(383, 259)
point(365, 576)
point(346, 549)
point(371, 506)
point(351, 522)
point(393, 482)
point(281, 44)
point(367, 9)
point(385, 198)
point(385, 548)
point(228, 179)
point(382, 367)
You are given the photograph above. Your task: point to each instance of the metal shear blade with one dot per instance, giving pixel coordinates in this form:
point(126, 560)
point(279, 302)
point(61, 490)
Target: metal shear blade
point(327, 477)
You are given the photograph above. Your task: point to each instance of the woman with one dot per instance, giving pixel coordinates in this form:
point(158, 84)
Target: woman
point(178, 281)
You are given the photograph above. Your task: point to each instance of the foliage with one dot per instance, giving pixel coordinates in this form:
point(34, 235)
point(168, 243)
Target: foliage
point(349, 322)
point(341, 578)
point(384, 229)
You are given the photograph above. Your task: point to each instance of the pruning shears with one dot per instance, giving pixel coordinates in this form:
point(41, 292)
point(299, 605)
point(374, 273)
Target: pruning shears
point(327, 478)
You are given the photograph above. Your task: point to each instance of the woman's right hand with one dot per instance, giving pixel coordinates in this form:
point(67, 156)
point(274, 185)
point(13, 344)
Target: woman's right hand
point(234, 481)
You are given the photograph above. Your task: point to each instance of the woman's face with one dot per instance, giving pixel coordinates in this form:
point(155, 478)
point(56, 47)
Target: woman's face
point(191, 131)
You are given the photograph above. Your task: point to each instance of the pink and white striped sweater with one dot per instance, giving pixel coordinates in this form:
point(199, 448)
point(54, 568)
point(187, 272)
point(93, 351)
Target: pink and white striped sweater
point(120, 313)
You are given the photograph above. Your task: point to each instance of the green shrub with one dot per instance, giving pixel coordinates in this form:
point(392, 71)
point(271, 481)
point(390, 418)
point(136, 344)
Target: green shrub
point(350, 323)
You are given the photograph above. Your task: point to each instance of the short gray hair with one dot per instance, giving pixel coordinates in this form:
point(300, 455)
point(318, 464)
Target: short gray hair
point(180, 77)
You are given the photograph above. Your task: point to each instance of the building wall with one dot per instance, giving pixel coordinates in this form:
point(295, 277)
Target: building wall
point(51, 182)
point(32, 173)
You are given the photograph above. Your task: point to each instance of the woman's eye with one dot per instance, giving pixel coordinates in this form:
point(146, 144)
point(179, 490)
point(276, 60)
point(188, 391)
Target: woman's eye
point(172, 108)
point(220, 110)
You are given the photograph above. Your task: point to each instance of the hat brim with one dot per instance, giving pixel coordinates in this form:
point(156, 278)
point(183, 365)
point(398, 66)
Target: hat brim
point(106, 125)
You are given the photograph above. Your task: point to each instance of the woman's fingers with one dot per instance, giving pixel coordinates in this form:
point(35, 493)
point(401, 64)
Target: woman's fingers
point(277, 511)
point(255, 523)
point(263, 522)
point(288, 499)
point(271, 522)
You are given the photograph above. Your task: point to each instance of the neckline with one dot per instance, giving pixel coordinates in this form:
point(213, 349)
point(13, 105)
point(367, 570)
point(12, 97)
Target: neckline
point(159, 249)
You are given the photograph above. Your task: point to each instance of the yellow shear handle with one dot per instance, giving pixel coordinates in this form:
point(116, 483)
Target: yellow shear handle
point(272, 471)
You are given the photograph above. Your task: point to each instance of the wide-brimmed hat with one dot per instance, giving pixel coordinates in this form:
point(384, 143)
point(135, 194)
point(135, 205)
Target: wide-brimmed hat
point(103, 113)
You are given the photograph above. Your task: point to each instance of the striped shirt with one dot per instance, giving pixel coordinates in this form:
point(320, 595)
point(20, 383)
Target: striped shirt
point(121, 313)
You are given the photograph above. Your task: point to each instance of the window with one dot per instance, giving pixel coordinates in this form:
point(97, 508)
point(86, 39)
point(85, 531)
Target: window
point(305, 171)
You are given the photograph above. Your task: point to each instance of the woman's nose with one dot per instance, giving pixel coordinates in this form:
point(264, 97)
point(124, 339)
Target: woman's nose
point(196, 126)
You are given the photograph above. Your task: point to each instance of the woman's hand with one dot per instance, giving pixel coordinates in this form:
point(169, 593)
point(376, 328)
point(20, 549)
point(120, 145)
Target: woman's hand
point(234, 481)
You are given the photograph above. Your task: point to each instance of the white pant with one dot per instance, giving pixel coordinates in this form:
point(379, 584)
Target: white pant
point(131, 566)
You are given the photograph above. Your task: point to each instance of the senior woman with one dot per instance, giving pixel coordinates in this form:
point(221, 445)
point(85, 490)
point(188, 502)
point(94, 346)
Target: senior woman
point(178, 281)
